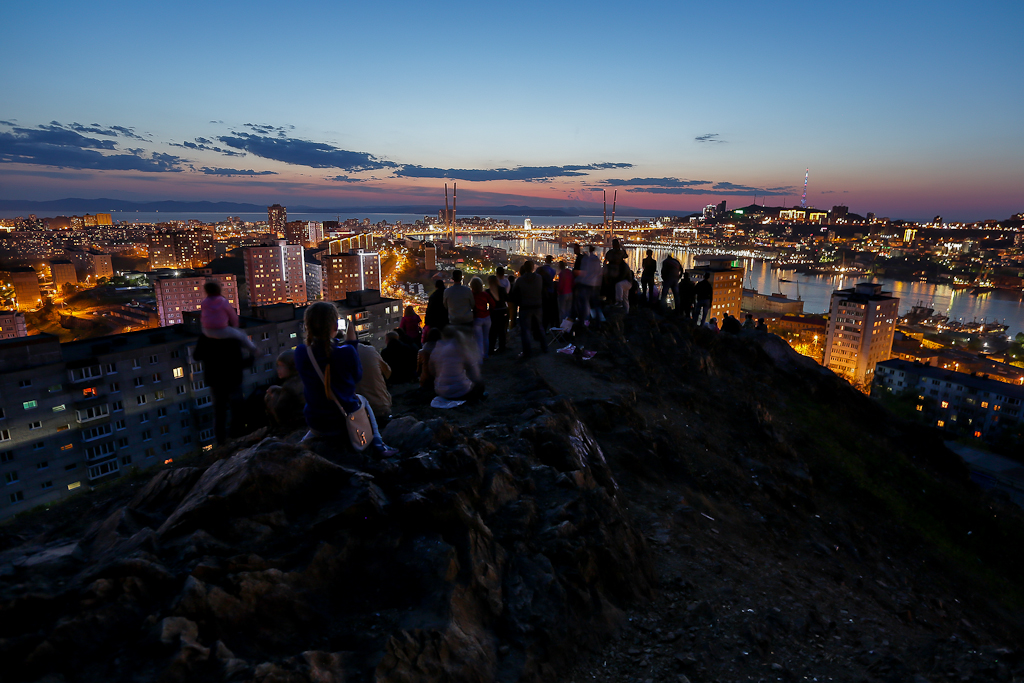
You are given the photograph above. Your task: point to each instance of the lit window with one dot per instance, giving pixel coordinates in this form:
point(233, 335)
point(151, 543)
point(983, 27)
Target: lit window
point(920, 408)
point(945, 404)
point(28, 405)
point(941, 423)
point(179, 373)
point(977, 435)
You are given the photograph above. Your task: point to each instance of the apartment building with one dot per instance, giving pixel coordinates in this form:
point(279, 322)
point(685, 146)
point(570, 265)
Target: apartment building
point(861, 325)
point(372, 315)
point(73, 415)
point(26, 288)
point(63, 273)
point(178, 295)
point(181, 249)
point(275, 274)
point(726, 283)
point(314, 278)
point(12, 325)
point(350, 272)
point(970, 405)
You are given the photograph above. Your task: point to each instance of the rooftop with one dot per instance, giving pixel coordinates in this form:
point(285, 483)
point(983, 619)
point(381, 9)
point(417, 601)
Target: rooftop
point(961, 378)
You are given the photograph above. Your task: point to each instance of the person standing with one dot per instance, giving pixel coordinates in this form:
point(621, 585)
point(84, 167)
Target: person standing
point(530, 287)
point(436, 315)
point(588, 281)
point(483, 303)
point(547, 273)
point(458, 299)
point(671, 270)
point(704, 292)
point(564, 289)
point(499, 315)
point(685, 305)
point(649, 268)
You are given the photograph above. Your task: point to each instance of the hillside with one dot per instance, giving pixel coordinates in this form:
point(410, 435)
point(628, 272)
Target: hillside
point(685, 506)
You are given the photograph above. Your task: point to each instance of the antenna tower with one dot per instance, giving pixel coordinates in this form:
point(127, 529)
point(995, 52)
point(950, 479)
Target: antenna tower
point(803, 200)
point(611, 233)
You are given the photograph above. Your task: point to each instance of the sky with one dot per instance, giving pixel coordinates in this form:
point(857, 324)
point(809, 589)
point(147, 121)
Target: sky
point(908, 110)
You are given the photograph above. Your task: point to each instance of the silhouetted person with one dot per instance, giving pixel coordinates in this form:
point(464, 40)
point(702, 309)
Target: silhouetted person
point(499, 315)
point(703, 292)
point(731, 325)
point(761, 326)
point(222, 370)
point(549, 300)
point(458, 299)
point(436, 315)
point(400, 357)
point(648, 269)
point(748, 323)
point(671, 270)
point(530, 288)
point(686, 296)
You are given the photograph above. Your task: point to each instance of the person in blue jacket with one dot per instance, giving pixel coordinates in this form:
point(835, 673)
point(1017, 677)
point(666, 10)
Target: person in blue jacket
point(340, 362)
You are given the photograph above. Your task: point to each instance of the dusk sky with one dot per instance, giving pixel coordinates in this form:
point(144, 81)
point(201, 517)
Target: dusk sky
point(907, 109)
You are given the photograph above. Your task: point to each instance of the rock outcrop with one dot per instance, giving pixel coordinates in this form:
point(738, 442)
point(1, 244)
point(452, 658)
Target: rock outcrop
point(494, 555)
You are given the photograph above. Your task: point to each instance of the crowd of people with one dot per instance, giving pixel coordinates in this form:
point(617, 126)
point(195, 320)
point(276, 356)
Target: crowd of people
point(325, 379)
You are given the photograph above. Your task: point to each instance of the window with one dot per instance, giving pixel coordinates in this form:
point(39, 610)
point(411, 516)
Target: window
point(150, 452)
point(165, 429)
point(136, 363)
point(941, 423)
point(984, 404)
point(945, 404)
point(161, 412)
point(203, 401)
point(126, 460)
point(267, 367)
point(5, 435)
point(920, 407)
point(159, 395)
point(97, 432)
point(996, 408)
point(195, 367)
point(17, 497)
point(154, 359)
point(68, 468)
point(198, 385)
point(187, 439)
point(115, 387)
point(180, 389)
point(178, 373)
point(63, 428)
point(100, 451)
point(103, 469)
point(66, 447)
point(111, 369)
point(175, 354)
point(89, 392)
point(10, 477)
point(185, 423)
point(38, 445)
point(183, 407)
point(144, 417)
point(117, 406)
point(75, 485)
point(7, 456)
point(54, 389)
point(139, 381)
point(293, 335)
point(42, 465)
point(24, 383)
point(206, 435)
point(35, 425)
point(165, 447)
point(156, 377)
point(93, 413)
point(120, 425)
point(29, 405)
point(122, 442)
point(59, 408)
point(46, 485)
point(147, 435)
point(80, 374)
point(140, 399)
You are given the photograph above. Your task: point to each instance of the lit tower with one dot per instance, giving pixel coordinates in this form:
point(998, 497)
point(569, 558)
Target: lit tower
point(803, 200)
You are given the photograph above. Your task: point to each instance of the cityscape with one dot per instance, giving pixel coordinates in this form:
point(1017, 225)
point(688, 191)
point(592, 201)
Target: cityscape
point(658, 342)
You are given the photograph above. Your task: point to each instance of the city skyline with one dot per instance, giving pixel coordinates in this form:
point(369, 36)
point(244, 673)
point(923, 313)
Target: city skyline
point(906, 111)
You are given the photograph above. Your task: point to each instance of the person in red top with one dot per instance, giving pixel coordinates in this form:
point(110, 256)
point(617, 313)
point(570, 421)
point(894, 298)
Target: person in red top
point(483, 302)
point(563, 287)
point(218, 317)
point(411, 324)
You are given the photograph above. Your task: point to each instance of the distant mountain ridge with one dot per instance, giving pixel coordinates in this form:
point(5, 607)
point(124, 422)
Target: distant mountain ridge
point(105, 205)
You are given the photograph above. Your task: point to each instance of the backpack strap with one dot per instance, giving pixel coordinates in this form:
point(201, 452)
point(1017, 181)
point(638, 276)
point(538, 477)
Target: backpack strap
point(325, 379)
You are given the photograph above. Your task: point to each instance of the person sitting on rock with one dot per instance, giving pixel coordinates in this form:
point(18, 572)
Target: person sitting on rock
point(761, 325)
point(748, 323)
point(423, 357)
point(712, 324)
point(410, 324)
point(285, 401)
point(342, 370)
point(455, 367)
point(400, 357)
point(731, 324)
point(373, 385)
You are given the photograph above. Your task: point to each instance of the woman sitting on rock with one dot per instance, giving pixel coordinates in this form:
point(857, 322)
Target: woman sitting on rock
point(285, 401)
point(342, 369)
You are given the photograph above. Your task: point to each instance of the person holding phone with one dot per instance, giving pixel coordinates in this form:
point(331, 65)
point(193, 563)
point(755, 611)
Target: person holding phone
point(342, 369)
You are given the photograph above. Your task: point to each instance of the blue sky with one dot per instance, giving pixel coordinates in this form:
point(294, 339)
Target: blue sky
point(909, 109)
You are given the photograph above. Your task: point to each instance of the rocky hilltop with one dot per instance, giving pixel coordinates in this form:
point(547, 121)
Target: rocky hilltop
point(684, 507)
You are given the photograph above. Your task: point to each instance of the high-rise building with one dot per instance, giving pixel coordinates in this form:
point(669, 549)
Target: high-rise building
point(726, 283)
point(305, 233)
point(275, 274)
point(101, 265)
point(314, 279)
point(103, 219)
point(351, 272)
point(861, 325)
point(181, 249)
point(178, 295)
point(89, 221)
point(12, 324)
point(277, 216)
point(838, 213)
point(26, 288)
